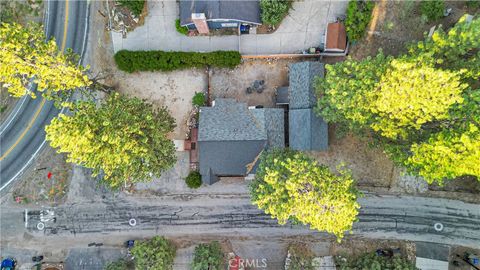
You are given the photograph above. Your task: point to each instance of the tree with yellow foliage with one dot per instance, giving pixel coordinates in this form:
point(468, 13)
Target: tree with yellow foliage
point(423, 107)
point(26, 57)
point(291, 186)
point(124, 139)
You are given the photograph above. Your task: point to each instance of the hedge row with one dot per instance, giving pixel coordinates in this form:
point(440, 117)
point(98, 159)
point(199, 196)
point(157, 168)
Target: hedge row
point(131, 61)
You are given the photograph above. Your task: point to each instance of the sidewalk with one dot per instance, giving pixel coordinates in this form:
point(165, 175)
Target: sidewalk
point(304, 27)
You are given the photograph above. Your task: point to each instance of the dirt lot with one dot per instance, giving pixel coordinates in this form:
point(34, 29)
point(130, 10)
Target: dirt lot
point(46, 182)
point(233, 83)
point(397, 23)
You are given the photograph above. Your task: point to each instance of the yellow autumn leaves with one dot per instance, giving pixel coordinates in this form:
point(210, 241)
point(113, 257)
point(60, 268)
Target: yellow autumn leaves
point(26, 57)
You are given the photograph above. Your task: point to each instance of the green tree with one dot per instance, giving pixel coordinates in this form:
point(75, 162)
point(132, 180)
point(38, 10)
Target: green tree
point(447, 154)
point(432, 9)
point(421, 107)
point(208, 257)
point(426, 95)
point(359, 13)
point(456, 49)
point(124, 138)
point(135, 6)
point(273, 11)
point(154, 254)
point(291, 186)
point(371, 261)
point(25, 57)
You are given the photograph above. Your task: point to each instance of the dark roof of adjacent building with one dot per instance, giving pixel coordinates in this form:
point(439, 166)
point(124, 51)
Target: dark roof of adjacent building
point(307, 131)
point(281, 95)
point(231, 136)
point(245, 11)
point(302, 84)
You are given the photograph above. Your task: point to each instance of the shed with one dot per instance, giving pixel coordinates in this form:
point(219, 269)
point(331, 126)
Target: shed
point(336, 37)
point(307, 130)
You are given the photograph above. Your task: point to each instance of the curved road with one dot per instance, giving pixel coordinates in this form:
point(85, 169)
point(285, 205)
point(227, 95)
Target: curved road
point(22, 134)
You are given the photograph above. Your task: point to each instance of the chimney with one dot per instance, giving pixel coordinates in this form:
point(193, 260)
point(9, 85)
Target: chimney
point(200, 22)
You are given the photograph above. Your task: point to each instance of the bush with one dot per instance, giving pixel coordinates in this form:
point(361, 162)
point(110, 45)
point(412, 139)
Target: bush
point(131, 61)
point(432, 9)
point(156, 253)
point(473, 4)
point(194, 179)
point(373, 261)
point(120, 265)
point(273, 11)
point(359, 14)
point(181, 29)
point(208, 257)
point(135, 6)
point(301, 258)
point(199, 99)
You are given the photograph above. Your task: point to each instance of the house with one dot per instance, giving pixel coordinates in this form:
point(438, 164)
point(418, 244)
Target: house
point(306, 130)
point(231, 137)
point(217, 14)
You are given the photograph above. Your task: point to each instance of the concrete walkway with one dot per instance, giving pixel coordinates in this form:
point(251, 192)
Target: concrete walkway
point(304, 27)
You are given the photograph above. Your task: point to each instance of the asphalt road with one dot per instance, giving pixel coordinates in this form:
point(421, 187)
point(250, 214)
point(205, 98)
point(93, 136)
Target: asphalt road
point(407, 218)
point(22, 134)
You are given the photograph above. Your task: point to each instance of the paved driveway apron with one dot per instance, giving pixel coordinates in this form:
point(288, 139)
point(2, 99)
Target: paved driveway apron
point(304, 27)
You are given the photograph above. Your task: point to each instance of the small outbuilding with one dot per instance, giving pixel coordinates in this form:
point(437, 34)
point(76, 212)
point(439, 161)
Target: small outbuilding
point(306, 130)
point(336, 38)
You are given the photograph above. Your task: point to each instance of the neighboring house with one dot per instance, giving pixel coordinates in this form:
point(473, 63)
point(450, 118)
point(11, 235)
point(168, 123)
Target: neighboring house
point(306, 130)
point(217, 14)
point(231, 137)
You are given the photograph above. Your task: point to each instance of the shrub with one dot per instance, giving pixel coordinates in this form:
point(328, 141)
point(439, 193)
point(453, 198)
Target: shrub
point(273, 11)
point(373, 261)
point(131, 61)
point(199, 99)
point(359, 14)
point(181, 29)
point(208, 257)
point(473, 3)
point(121, 264)
point(135, 6)
point(194, 179)
point(432, 9)
point(156, 253)
point(301, 258)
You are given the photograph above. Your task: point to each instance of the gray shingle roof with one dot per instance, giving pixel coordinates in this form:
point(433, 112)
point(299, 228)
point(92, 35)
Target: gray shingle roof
point(246, 11)
point(307, 131)
point(281, 95)
point(301, 90)
point(229, 120)
point(231, 136)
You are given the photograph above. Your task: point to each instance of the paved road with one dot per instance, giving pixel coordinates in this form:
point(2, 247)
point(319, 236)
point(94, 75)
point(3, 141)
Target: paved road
point(22, 134)
point(408, 218)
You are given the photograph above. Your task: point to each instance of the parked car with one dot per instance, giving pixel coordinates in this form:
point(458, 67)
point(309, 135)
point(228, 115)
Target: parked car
point(8, 264)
